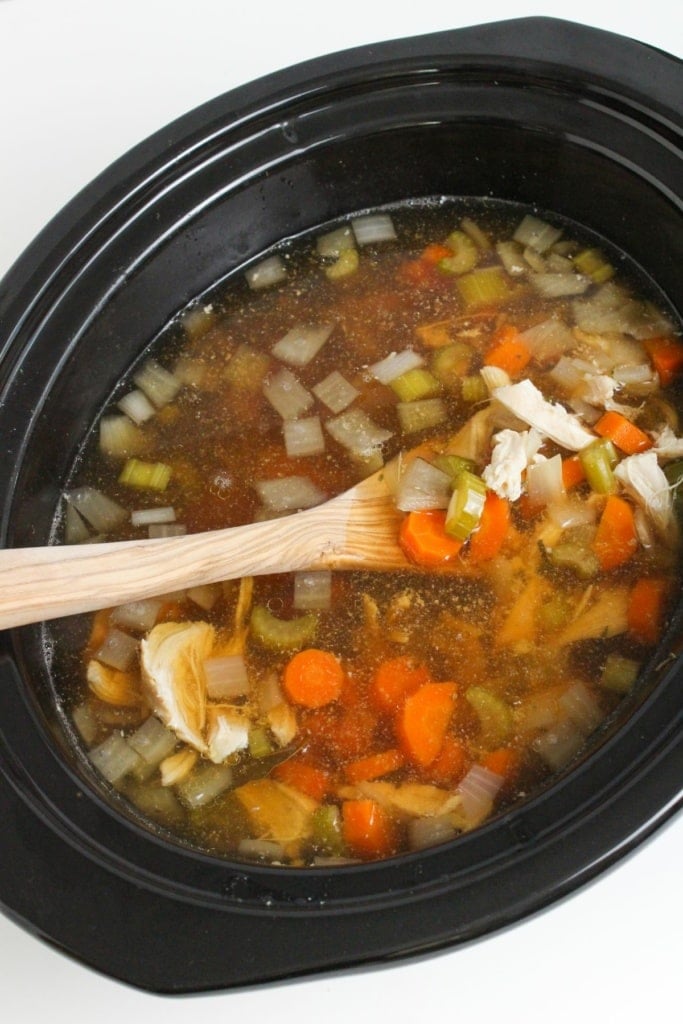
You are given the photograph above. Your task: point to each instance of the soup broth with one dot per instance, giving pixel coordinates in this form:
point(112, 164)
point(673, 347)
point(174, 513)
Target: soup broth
point(518, 383)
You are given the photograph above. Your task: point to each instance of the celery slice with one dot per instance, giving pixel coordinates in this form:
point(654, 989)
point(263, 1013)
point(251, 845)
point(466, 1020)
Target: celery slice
point(415, 384)
point(260, 744)
point(495, 716)
point(598, 460)
point(450, 363)
point(465, 254)
point(481, 287)
point(282, 634)
point(466, 505)
point(453, 465)
point(619, 673)
point(345, 265)
point(592, 263)
point(145, 476)
point(327, 830)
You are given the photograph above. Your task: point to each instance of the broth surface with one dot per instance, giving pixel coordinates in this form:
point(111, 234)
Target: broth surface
point(320, 718)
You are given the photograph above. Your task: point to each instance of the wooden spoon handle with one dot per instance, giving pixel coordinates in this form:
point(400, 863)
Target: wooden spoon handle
point(351, 531)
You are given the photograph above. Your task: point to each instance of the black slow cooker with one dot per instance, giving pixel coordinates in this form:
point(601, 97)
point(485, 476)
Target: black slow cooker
point(537, 111)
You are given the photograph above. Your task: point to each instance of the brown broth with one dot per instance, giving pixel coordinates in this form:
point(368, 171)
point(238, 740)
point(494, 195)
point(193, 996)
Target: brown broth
point(524, 699)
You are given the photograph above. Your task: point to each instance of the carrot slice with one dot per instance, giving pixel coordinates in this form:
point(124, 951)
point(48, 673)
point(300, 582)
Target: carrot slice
point(313, 678)
point(573, 472)
point(367, 829)
point(508, 351)
point(666, 356)
point(616, 539)
point(424, 540)
point(503, 761)
point(423, 721)
point(646, 607)
point(625, 435)
point(374, 766)
point(450, 764)
point(396, 679)
point(488, 538)
point(303, 774)
point(435, 252)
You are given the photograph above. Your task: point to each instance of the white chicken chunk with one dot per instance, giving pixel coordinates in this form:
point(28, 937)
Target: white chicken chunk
point(645, 481)
point(172, 658)
point(552, 420)
point(228, 732)
point(667, 445)
point(512, 452)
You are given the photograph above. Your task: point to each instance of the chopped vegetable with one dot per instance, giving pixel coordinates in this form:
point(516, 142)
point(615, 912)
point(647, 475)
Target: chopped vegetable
point(424, 539)
point(466, 506)
point(423, 721)
point(483, 287)
point(667, 358)
point(488, 539)
point(367, 829)
point(508, 352)
point(597, 461)
point(616, 539)
point(281, 634)
point(313, 678)
point(646, 609)
point(625, 435)
point(396, 679)
point(146, 476)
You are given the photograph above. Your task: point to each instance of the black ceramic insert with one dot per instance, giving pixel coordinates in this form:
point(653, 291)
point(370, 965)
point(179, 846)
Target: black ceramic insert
point(545, 112)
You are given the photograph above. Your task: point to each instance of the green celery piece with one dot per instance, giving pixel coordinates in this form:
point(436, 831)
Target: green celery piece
point(572, 554)
point(415, 384)
point(598, 460)
point(483, 286)
point(593, 264)
point(495, 716)
point(474, 388)
point(453, 465)
point(619, 673)
point(259, 742)
point(281, 634)
point(345, 265)
point(327, 831)
point(452, 362)
point(465, 254)
point(145, 476)
point(466, 505)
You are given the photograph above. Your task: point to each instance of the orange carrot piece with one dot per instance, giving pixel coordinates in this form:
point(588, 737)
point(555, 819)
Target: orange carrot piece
point(396, 679)
point(666, 356)
point(374, 766)
point(504, 762)
point(313, 678)
point(450, 764)
point(303, 774)
point(508, 351)
point(422, 723)
point(435, 252)
point(573, 472)
point(629, 438)
point(616, 539)
point(424, 540)
point(98, 629)
point(367, 829)
point(488, 538)
point(646, 607)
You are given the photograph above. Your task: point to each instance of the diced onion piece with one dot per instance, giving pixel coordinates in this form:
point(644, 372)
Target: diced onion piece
point(269, 692)
point(333, 243)
point(189, 371)
point(247, 368)
point(147, 516)
point(536, 233)
point(510, 256)
point(177, 767)
point(558, 745)
point(423, 486)
point(304, 437)
point(568, 512)
point(197, 320)
point(103, 513)
point(152, 740)
point(117, 649)
point(630, 375)
point(289, 493)
point(137, 406)
point(205, 595)
point(86, 722)
point(313, 590)
point(477, 791)
point(114, 757)
point(261, 849)
point(425, 832)
point(158, 384)
point(302, 343)
point(139, 616)
point(120, 437)
point(396, 364)
point(206, 783)
point(335, 392)
point(421, 415)
point(354, 430)
point(267, 273)
point(548, 340)
point(375, 227)
point(75, 530)
point(287, 395)
point(544, 481)
point(158, 530)
point(226, 677)
point(582, 707)
point(534, 260)
point(555, 286)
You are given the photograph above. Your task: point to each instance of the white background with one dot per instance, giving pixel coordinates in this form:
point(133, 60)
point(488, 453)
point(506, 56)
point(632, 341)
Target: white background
point(80, 82)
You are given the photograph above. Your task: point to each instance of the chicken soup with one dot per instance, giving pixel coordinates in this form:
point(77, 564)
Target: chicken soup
point(517, 382)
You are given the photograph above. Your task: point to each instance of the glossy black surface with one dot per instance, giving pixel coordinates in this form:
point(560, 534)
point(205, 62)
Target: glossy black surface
point(571, 119)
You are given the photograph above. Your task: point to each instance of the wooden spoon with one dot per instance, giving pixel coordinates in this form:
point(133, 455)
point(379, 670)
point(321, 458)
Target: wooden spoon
point(356, 530)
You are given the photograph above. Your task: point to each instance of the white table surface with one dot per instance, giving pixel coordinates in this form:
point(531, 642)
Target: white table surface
point(611, 952)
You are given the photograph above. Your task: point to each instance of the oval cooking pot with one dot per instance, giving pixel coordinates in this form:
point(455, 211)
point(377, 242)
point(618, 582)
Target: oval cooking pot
point(570, 119)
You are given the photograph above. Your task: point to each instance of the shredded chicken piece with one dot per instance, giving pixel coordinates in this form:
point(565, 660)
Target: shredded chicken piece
point(645, 481)
point(276, 811)
point(667, 445)
point(227, 731)
point(512, 453)
point(552, 420)
point(606, 616)
point(172, 658)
